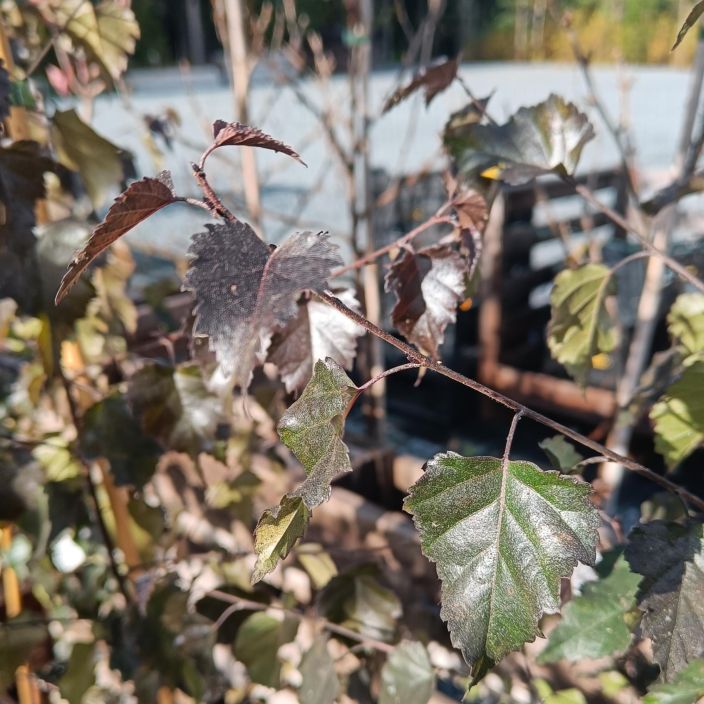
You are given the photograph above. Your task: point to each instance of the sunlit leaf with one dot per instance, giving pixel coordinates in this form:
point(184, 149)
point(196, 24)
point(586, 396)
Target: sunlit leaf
point(580, 326)
point(428, 285)
point(244, 292)
point(319, 684)
point(686, 688)
point(111, 431)
point(317, 563)
point(686, 322)
point(313, 426)
point(433, 80)
point(544, 138)
point(695, 13)
point(141, 199)
point(595, 623)
point(317, 332)
point(356, 600)
point(175, 406)
point(80, 148)
point(258, 641)
point(502, 535)
point(561, 453)
point(278, 530)
point(678, 416)
point(235, 134)
point(671, 559)
point(107, 31)
point(407, 676)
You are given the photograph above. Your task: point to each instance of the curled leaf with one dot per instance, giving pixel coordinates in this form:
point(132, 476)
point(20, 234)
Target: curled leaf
point(278, 530)
point(580, 326)
point(318, 331)
point(245, 292)
point(502, 534)
point(428, 285)
point(141, 199)
point(694, 14)
point(235, 134)
point(433, 80)
point(312, 429)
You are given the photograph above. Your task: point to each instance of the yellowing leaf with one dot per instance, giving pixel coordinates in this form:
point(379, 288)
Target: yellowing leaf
point(580, 327)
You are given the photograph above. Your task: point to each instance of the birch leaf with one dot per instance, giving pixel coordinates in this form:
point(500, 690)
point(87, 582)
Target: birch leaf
point(579, 324)
point(318, 331)
point(312, 429)
point(670, 557)
point(428, 285)
point(502, 534)
point(244, 291)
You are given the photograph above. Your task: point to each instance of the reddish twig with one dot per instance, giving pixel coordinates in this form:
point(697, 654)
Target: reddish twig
point(423, 361)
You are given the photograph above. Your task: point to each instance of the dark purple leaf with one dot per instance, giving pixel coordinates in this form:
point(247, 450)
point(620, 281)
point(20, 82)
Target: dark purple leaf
point(428, 285)
point(245, 292)
point(317, 332)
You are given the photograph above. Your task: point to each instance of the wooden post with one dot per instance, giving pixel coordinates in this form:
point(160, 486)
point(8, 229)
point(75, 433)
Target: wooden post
point(240, 75)
point(360, 66)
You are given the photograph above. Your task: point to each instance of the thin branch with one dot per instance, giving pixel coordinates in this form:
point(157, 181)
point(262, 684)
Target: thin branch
point(415, 356)
point(437, 219)
point(619, 220)
point(213, 203)
point(385, 373)
point(240, 603)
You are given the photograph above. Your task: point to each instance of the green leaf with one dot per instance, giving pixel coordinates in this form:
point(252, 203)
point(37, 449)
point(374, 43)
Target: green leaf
point(579, 325)
point(686, 322)
point(80, 673)
point(278, 530)
point(594, 624)
point(175, 406)
point(686, 688)
point(692, 17)
point(544, 138)
point(110, 431)
point(258, 640)
point(356, 600)
point(561, 453)
point(312, 429)
point(107, 31)
point(671, 559)
point(546, 694)
point(80, 148)
point(503, 534)
point(319, 684)
point(407, 676)
point(678, 416)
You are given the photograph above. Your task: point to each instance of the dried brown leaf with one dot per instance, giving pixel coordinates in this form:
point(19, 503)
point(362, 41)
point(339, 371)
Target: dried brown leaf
point(142, 199)
point(433, 80)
